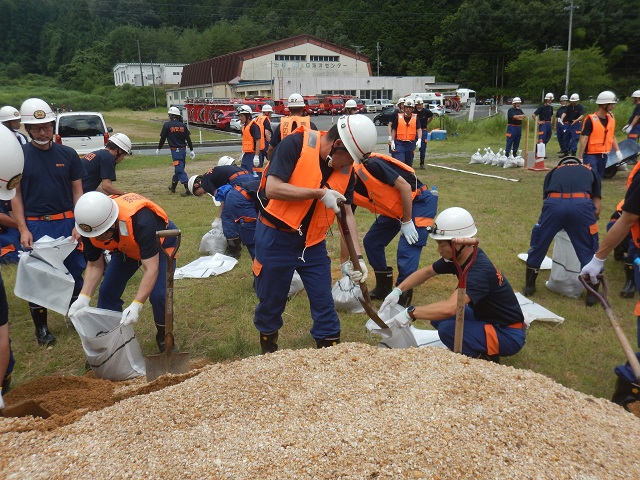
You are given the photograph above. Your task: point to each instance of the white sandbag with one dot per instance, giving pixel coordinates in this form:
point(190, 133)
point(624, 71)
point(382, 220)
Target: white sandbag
point(213, 242)
point(42, 277)
point(510, 162)
point(296, 285)
point(112, 351)
point(476, 157)
point(534, 311)
point(541, 150)
point(346, 294)
point(565, 269)
point(206, 266)
point(402, 337)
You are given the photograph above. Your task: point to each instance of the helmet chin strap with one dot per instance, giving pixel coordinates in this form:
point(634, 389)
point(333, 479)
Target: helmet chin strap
point(41, 142)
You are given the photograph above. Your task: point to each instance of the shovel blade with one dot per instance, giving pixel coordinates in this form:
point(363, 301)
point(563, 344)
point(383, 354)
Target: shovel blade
point(158, 365)
point(24, 409)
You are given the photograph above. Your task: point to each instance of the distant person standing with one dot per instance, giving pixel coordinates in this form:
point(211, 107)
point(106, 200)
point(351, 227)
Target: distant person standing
point(406, 134)
point(573, 116)
point(425, 116)
point(252, 142)
point(264, 122)
point(632, 129)
point(544, 113)
point(561, 127)
point(350, 107)
point(101, 165)
point(178, 136)
point(288, 124)
point(515, 116)
point(10, 118)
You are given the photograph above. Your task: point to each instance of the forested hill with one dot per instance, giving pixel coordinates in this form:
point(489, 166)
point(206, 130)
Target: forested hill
point(489, 45)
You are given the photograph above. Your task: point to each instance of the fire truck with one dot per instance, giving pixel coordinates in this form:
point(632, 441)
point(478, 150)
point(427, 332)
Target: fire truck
point(312, 104)
point(332, 105)
point(205, 111)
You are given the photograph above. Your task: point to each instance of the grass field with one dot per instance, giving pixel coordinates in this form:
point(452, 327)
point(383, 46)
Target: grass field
point(214, 316)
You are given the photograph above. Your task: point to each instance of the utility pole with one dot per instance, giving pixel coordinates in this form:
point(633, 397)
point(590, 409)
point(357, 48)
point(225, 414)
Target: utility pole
point(378, 51)
point(153, 76)
point(140, 62)
point(570, 8)
point(357, 47)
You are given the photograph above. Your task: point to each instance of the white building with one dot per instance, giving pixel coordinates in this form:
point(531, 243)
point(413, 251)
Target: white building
point(146, 74)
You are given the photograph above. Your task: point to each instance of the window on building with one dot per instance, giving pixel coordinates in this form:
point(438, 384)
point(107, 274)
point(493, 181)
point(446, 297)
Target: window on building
point(295, 58)
point(183, 94)
point(339, 92)
point(176, 73)
point(325, 58)
point(373, 94)
point(199, 93)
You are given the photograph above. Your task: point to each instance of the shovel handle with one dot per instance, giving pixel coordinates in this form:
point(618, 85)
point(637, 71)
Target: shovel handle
point(462, 287)
point(168, 314)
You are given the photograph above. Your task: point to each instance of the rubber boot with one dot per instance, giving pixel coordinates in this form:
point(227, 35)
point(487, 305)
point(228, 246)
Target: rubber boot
point(629, 289)
point(186, 192)
point(530, 281)
point(6, 383)
point(591, 299)
point(384, 282)
point(268, 342)
point(234, 247)
point(328, 342)
point(43, 335)
point(618, 252)
point(405, 298)
point(625, 393)
point(172, 187)
point(160, 339)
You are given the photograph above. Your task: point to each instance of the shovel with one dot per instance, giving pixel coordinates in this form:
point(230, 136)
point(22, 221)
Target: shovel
point(169, 361)
point(462, 287)
point(24, 409)
point(613, 319)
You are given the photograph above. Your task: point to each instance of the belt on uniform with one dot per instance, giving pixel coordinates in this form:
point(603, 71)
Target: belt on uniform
point(271, 225)
point(178, 148)
point(237, 174)
point(422, 189)
point(568, 195)
point(55, 216)
point(520, 325)
point(244, 193)
point(544, 121)
point(514, 125)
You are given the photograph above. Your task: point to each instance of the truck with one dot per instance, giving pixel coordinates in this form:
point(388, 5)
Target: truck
point(333, 104)
point(311, 104)
point(467, 96)
point(428, 97)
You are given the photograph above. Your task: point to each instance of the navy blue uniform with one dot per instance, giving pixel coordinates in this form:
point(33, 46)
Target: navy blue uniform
point(572, 114)
point(178, 137)
point(597, 161)
point(9, 238)
point(568, 192)
point(247, 157)
point(561, 127)
point(635, 131)
point(405, 148)
point(632, 205)
point(99, 165)
point(514, 131)
point(276, 138)
point(544, 114)
point(424, 116)
point(240, 208)
point(492, 316)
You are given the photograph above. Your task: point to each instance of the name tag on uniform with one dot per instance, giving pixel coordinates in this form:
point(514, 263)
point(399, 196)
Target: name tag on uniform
point(122, 226)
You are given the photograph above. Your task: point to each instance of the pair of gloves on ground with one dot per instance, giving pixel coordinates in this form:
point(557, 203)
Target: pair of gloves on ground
point(192, 154)
point(129, 316)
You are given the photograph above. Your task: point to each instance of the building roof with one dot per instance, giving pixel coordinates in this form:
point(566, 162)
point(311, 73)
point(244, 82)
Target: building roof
point(225, 68)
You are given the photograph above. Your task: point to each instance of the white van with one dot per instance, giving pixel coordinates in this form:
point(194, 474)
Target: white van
point(436, 98)
point(467, 96)
point(380, 103)
point(85, 132)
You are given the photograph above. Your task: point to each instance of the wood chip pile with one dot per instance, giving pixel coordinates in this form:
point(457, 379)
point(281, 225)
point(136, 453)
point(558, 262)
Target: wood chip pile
point(348, 412)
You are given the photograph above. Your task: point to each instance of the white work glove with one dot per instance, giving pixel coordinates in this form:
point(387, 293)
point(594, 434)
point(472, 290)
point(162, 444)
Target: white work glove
point(192, 154)
point(392, 299)
point(157, 151)
point(593, 268)
point(390, 139)
point(418, 144)
point(1, 400)
point(330, 199)
point(409, 231)
point(131, 314)
point(356, 276)
point(256, 161)
point(626, 129)
point(82, 302)
point(393, 145)
point(619, 155)
point(216, 224)
point(402, 319)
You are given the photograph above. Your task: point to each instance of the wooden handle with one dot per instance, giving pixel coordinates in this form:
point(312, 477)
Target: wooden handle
point(465, 241)
point(168, 233)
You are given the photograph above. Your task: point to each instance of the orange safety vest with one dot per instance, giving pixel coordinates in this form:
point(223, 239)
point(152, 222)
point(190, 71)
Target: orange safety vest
point(248, 142)
point(286, 124)
point(129, 204)
point(601, 139)
point(307, 174)
point(383, 199)
point(406, 131)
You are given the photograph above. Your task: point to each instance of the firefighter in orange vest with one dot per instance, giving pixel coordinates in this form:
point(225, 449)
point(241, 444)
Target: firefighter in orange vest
point(406, 134)
point(264, 122)
point(252, 142)
point(309, 174)
point(402, 203)
point(297, 118)
point(125, 225)
point(598, 135)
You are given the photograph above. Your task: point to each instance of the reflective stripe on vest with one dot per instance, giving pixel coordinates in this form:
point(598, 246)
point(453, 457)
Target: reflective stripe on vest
point(406, 131)
point(601, 138)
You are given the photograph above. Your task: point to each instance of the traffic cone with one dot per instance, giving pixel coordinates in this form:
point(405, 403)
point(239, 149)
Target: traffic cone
point(539, 157)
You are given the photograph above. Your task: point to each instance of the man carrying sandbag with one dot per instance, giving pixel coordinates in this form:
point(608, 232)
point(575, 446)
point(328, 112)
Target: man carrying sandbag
point(126, 226)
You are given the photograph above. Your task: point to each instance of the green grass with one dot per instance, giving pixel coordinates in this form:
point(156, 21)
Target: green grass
point(214, 316)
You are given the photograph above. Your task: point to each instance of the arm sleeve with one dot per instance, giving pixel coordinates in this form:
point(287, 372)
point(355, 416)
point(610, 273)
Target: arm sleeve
point(145, 226)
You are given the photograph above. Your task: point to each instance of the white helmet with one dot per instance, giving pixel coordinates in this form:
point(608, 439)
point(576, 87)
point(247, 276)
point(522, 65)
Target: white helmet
point(174, 111)
point(122, 141)
point(245, 109)
point(295, 100)
point(359, 135)
point(574, 98)
point(8, 114)
point(267, 108)
point(549, 96)
point(35, 111)
point(226, 160)
point(419, 101)
point(351, 104)
point(516, 100)
point(606, 97)
point(454, 222)
point(409, 103)
point(95, 213)
point(11, 163)
point(564, 97)
point(636, 94)
point(401, 101)
point(196, 179)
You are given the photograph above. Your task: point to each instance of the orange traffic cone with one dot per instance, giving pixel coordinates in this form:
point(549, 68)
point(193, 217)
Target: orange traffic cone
point(540, 154)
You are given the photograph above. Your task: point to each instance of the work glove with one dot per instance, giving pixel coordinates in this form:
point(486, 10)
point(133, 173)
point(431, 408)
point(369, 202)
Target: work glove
point(330, 199)
point(626, 129)
point(619, 155)
point(409, 231)
point(393, 145)
point(593, 268)
point(216, 224)
point(392, 299)
point(356, 276)
point(402, 319)
point(131, 314)
point(1, 400)
point(390, 139)
point(82, 302)
point(192, 154)
point(157, 151)
point(418, 144)
point(256, 161)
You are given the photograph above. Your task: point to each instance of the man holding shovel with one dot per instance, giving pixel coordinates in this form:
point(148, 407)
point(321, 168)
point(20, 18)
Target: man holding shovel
point(493, 321)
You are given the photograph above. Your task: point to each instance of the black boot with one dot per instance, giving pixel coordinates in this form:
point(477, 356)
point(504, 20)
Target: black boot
point(619, 252)
point(591, 299)
point(625, 393)
point(6, 383)
point(328, 342)
point(629, 289)
point(530, 281)
point(186, 192)
point(384, 282)
point(405, 298)
point(160, 341)
point(490, 358)
point(268, 342)
point(172, 187)
point(43, 335)
point(234, 247)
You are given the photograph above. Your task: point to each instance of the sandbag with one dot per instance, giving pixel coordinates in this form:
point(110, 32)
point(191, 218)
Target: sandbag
point(296, 285)
point(346, 294)
point(402, 337)
point(113, 352)
point(213, 242)
point(565, 268)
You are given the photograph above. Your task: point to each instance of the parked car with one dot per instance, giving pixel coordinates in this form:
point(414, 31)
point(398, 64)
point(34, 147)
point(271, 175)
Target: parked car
point(235, 125)
point(223, 120)
point(384, 117)
point(380, 103)
point(85, 132)
point(437, 110)
point(369, 106)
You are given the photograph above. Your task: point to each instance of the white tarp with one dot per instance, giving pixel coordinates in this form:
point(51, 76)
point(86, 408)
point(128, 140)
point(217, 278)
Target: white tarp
point(206, 266)
point(546, 263)
point(534, 311)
